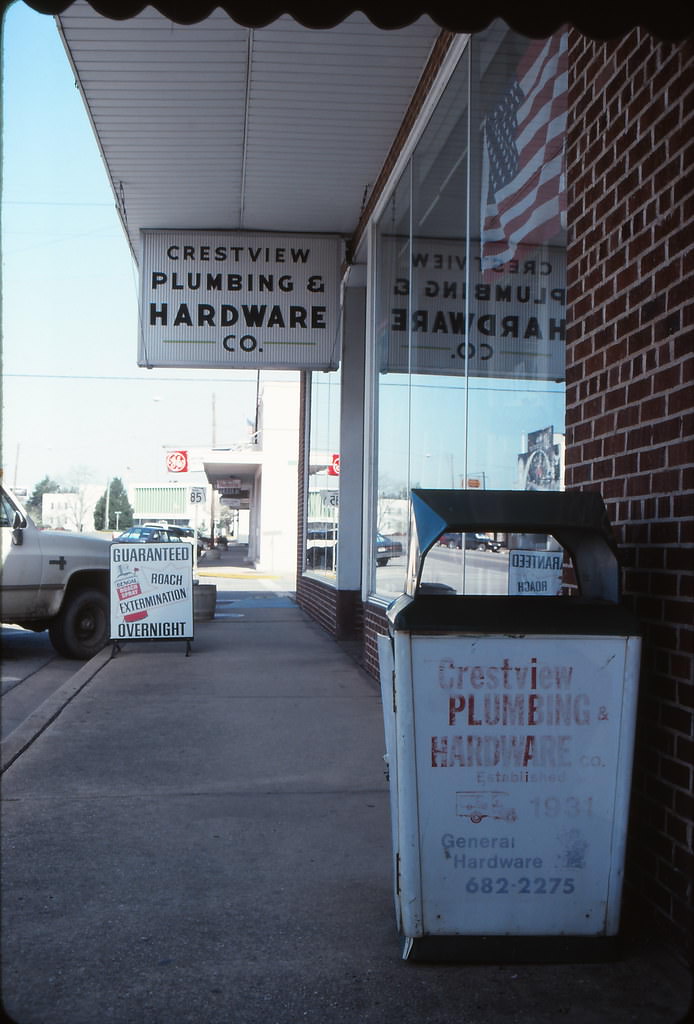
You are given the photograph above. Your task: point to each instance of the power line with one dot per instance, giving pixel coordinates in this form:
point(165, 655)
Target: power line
point(51, 202)
point(142, 380)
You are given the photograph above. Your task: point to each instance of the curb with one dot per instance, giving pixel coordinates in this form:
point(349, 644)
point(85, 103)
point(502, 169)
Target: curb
point(21, 738)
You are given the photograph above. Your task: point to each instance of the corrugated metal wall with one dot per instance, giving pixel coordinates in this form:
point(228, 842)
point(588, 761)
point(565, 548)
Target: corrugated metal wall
point(159, 502)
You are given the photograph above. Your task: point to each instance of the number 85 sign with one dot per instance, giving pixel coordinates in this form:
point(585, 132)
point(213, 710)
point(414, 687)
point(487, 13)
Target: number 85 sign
point(197, 495)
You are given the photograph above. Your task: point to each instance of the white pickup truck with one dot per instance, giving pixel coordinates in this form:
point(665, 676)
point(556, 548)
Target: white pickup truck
point(54, 580)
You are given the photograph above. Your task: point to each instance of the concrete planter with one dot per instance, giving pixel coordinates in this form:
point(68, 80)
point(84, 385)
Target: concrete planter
point(204, 601)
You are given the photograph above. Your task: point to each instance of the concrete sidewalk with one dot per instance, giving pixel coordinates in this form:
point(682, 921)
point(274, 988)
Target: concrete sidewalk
point(206, 839)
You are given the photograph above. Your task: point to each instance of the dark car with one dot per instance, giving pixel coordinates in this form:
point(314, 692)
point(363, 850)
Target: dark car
point(451, 540)
point(159, 533)
point(473, 541)
point(386, 548)
point(481, 542)
point(321, 544)
point(188, 533)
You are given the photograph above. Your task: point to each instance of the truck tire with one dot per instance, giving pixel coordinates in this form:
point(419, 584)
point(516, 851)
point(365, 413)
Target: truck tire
point(81, 628)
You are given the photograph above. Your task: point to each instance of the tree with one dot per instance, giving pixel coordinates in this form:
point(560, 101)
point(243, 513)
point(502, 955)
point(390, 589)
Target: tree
point(120, 511)
point(35, 502)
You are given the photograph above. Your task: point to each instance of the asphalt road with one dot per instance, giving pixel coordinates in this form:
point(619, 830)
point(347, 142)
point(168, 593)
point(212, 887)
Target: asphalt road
point(469, 572)
point(31, 672)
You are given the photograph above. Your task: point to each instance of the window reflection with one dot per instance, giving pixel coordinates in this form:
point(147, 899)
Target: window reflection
point(486, 563)
point(471, 296)
point(323, 497)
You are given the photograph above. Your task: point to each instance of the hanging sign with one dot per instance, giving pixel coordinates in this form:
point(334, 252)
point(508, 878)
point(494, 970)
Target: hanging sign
point(152, 591)
point(226, 481)
point(446, 315)
point(239, 300)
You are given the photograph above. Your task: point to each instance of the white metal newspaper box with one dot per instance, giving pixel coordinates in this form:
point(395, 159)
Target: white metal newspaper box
point(509, 728)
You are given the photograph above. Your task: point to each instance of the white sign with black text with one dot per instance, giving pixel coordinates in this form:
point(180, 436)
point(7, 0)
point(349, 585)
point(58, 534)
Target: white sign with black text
point(152, 591)
point(535, 573)
point(444, 314)
point(239, 300)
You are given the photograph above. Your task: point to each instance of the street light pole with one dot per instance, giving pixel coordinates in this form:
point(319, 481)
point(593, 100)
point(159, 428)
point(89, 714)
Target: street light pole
point(108, 496)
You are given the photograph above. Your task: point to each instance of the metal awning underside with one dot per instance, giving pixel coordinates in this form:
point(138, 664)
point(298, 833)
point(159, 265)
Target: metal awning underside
point(217, 126)
point(665, 19)
point(242, 466)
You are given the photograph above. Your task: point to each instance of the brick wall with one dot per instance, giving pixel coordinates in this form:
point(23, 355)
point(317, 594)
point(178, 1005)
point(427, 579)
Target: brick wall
point(630, 419)
point(375, 622)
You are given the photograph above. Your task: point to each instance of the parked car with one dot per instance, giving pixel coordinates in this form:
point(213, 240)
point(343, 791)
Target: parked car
point(321, 544)
point(473, 541)
point(451, 540)
point(159, 533)
point(53, 580)
point(386, 548)
point(188, 533)
point(481, 542)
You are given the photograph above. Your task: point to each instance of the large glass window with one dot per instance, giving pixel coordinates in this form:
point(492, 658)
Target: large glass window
point(323, 497)
point(469, 314)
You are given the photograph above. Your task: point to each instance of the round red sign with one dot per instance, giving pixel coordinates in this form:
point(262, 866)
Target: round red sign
point(177, 462)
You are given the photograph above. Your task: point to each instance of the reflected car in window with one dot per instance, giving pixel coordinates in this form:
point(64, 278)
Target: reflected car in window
point(481, 542)
point(321, 544)
point(451, 540)
point(386, 548)
point(473, 541)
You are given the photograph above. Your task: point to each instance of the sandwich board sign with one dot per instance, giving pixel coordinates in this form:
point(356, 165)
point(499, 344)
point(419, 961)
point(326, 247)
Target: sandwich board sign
point(152, 591)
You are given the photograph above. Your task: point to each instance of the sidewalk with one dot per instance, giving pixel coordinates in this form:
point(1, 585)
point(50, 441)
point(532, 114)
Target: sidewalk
point(205, 840)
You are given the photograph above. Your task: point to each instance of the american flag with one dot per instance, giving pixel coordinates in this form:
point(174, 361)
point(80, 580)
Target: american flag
point(523, 178)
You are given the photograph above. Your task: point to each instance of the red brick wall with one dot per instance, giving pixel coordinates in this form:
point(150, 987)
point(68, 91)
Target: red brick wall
point(630, 419)
point(375, 622)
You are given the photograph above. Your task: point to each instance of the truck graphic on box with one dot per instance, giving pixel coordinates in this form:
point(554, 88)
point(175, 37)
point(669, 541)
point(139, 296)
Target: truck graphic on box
point(479, 804)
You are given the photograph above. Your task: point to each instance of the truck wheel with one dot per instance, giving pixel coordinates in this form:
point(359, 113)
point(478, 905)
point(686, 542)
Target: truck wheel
point(81, 629)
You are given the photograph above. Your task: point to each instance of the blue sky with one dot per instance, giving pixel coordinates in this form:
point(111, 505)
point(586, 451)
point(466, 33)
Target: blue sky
point(75, 404)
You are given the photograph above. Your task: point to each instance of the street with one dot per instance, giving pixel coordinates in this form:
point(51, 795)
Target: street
point(31, 672)
point(469, 572)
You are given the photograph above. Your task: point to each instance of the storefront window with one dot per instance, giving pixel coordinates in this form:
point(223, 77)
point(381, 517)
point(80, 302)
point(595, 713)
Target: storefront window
point(470, 292)
point(323, 497)
point(392, 470)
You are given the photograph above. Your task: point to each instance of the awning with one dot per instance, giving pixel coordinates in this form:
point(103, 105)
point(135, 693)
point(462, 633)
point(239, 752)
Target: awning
point(671, 20)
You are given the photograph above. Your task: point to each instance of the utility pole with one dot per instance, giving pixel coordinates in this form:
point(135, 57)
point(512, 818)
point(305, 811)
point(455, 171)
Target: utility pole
point(106, 510)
